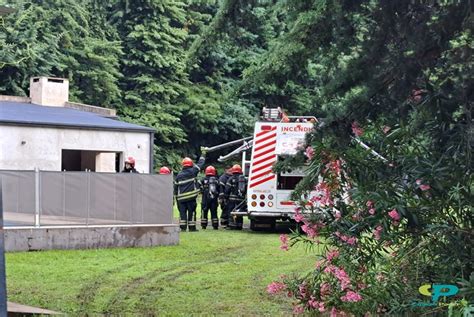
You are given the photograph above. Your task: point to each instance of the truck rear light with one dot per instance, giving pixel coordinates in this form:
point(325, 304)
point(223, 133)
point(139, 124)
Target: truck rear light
point(254, 204)
point(262, 196)
point(270, 197)
point(262, 204)
point(270, 204)
point(254, 196)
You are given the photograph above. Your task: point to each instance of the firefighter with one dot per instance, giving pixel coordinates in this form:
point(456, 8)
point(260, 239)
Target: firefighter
point(186, 190)
point(210, 194)
point(164, 170)
point(129, 166)
point(235, 191)
point(222, 200)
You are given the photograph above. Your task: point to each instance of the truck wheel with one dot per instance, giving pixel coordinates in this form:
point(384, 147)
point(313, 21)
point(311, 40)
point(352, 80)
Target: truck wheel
point(262, 224)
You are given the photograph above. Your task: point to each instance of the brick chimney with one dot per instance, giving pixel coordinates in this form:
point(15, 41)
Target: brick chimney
point(49, 91)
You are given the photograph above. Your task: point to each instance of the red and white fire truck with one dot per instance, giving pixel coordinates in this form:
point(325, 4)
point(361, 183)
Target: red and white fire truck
point(268, 193)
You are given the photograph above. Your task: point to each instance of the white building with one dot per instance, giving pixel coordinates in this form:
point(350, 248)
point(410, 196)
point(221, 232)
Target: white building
point(48, 132)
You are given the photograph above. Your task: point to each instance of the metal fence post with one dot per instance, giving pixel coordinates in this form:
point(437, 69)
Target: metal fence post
point(37, 197)
point(88, 196)
point(3, 280)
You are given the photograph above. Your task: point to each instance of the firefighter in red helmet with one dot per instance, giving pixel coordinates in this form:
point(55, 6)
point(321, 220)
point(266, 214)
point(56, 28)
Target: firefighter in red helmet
point(222, 198)
point(235, 191)
point(164, 170)
point(210, 195)
point(186, 190)
point(129, 165)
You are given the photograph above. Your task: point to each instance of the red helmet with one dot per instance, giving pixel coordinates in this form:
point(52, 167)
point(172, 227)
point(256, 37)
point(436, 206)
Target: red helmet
point(187, 162)
point(130, 160)
point(165, 170)
point(236, 169)
point(210, 171)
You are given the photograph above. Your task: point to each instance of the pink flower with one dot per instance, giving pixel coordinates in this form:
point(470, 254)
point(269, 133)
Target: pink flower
point(417, 95)
point(275, 287)
point(372, 211)
point(425, 187)
point(325, 289)
point(298, 216)
point(394, 214)
point(313, 303)
point(356, 129)
point(351, 297)
point(310, 230)
point(297, 309)
point(343, 278)
point(377, 232)
point(335, 166)
point(284, 242)
point(319, 263)
point(337, 214)
point(321, 307)
point(309, 152)
point(422, 186)
point(386, 129)
point(322, 195)
point(352, 241)
point(332, 254)
point(303, 290)
point(337, 313)
point(369, 203)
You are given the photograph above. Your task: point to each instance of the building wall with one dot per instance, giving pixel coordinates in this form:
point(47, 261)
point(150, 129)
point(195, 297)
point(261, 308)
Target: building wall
point(26, 148)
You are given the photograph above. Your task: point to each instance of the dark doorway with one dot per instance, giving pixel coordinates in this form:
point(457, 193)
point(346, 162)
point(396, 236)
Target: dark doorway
point(77, 160)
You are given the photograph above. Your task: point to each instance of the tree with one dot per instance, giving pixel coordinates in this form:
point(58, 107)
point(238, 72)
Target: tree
point(54, 38)
point(395, 75)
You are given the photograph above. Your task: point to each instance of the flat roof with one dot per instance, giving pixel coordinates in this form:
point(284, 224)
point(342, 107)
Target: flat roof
point(29, 114)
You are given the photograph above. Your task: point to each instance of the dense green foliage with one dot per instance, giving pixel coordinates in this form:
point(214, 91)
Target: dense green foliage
point(399, 76)
point(135, 56)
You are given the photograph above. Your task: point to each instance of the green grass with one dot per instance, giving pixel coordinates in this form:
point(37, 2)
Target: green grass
point(209, 272)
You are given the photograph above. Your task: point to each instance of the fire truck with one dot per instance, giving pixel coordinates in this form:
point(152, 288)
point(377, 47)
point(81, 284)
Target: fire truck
point(268, 193)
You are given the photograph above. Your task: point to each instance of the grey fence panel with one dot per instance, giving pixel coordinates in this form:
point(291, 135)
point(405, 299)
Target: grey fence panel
point(137, 197)
point(18, 197)
point(102, 199)
point(76, 190)
point(52, 201)
point(158, 199)
point(123, 197)
point(86, 198)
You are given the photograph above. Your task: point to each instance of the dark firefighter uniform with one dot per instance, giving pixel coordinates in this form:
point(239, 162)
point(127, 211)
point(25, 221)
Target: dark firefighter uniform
point(210, 195)
point(235, 191)
point(186, 190)
point(222, 198)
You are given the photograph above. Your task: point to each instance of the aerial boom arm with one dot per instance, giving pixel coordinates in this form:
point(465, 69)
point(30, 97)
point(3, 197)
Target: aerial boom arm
point(224, 145)
point(246, 146)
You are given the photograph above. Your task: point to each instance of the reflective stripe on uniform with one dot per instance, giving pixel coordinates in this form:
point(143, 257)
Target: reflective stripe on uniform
point(191, 194)
point(185, 181)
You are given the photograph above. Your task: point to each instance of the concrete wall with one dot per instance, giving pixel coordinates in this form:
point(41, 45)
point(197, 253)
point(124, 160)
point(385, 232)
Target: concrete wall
point(53, 238)
point(26, 148)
